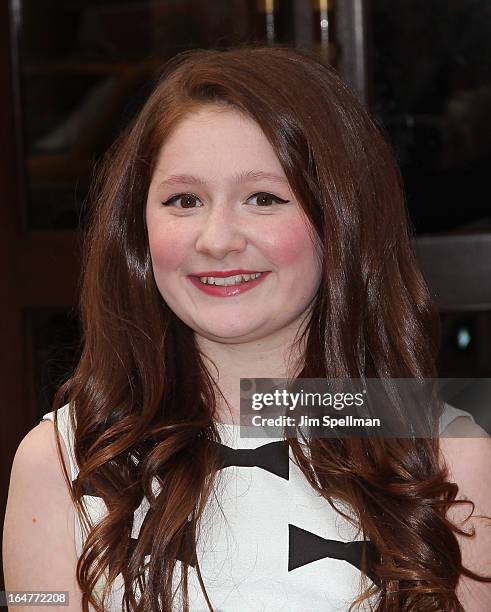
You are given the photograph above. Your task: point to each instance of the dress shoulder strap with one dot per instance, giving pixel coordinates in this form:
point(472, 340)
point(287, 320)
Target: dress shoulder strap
point(450, 413)
point(66, 433)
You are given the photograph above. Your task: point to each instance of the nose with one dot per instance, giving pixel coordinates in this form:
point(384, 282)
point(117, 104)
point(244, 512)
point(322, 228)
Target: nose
point(220, 232)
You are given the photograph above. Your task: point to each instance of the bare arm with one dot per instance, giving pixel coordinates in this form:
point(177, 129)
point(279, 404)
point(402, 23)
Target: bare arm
point(38, 539)
point(469, 462)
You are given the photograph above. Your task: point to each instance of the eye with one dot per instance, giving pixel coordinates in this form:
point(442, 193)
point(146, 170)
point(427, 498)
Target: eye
point(187, 200)
point(264, 199)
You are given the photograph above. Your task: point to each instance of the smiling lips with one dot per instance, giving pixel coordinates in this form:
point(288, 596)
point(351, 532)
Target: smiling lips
point(227, 283)
point(224, 273)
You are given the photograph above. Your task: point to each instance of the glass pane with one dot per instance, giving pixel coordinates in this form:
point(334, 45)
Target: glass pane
point(465, 350)
point(466, 354)
point(86, 68)
point(431, 63)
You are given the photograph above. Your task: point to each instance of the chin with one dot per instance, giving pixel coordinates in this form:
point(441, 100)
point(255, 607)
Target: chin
point(230, 333)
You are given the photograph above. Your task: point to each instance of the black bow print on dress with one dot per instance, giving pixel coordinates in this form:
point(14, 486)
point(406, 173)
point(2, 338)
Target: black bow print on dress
point(273, 457)
point(306, 547)
point(184, 553)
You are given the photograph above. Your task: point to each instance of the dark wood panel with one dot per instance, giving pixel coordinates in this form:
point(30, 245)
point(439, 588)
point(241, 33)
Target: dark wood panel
point(47, 269)
point(457, 269)
point(37, 269)
point(14, 413)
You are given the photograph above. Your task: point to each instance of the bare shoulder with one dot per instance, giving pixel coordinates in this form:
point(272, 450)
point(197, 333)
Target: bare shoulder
point(465, 449)
point(467, 456)
point(38, 448)
point(39, 535)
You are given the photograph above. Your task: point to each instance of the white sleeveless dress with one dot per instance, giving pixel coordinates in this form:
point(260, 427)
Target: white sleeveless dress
point(272, 547)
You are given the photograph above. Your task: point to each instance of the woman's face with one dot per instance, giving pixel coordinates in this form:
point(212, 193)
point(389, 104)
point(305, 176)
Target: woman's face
point(219, 204)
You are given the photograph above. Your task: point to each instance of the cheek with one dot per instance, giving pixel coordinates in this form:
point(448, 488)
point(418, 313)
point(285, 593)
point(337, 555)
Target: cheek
point(293, 252)
point(164, 256)
point(167, 247)
point(291, 245)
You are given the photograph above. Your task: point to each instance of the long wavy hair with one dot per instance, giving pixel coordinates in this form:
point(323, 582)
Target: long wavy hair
point(141, 389)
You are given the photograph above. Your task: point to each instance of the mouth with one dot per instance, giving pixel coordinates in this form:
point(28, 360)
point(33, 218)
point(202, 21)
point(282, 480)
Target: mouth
point(228, 285)
point(227, 280)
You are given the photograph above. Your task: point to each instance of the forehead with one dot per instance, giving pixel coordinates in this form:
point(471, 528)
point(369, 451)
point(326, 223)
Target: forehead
point(215, 140)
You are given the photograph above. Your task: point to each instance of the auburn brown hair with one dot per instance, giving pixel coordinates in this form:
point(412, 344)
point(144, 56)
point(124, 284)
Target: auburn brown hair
point(141, 389)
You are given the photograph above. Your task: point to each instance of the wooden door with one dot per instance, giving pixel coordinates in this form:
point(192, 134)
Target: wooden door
point(38, 268)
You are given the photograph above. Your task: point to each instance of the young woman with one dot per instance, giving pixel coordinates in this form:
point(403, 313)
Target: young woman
point(249, 223)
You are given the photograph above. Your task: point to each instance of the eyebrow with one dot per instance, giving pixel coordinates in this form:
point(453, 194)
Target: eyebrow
point(241, 177)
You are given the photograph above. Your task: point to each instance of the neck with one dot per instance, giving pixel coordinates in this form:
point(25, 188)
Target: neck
point(277, 356)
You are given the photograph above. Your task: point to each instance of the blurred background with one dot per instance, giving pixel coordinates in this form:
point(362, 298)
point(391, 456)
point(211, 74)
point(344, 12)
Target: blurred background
point(74, 72)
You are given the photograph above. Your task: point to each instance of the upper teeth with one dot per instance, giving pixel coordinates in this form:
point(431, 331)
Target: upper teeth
point(228, 280)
